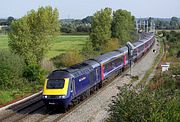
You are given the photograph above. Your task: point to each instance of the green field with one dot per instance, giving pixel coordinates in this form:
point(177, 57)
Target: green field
point(61, 44)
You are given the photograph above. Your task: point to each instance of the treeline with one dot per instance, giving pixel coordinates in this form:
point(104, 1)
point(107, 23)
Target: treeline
point(5, 23)
point(167, 24)
point(76, 25)
point(172, 40)
point(159, 100)
point(72, 26)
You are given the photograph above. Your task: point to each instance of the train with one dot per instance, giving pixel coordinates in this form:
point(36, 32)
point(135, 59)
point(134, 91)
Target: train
point(66, 87)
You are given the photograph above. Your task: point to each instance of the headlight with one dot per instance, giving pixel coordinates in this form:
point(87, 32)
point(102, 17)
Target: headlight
point(62, 96)
point(45, 96)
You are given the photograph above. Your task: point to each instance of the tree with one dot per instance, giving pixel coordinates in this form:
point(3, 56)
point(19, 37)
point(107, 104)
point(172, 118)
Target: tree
point(88, 19)
point(88, 50)
point(68, 28)
point(10, 20)
point(31, 35)
point(101, 28)
point(11, 70)
point(174, 23)
point(122, 25)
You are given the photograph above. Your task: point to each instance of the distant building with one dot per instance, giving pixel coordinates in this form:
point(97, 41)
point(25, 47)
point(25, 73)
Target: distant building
point(3, 27)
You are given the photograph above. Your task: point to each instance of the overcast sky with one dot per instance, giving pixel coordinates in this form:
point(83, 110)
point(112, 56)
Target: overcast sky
point(81, 8)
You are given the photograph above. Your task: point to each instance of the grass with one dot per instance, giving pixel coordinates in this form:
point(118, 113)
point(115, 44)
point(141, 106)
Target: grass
point(66, 43)
point(62, 44)
point(3, 41)
point(169, 30)
point(5, 96)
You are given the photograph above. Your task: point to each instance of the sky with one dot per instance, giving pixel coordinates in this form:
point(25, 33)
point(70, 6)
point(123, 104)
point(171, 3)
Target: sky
point(79, 9)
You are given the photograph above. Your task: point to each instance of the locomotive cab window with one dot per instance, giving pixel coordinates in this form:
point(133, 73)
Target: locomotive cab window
point(55, 84)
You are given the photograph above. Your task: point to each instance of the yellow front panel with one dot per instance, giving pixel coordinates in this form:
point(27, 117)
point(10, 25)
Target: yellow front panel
point(62, 91)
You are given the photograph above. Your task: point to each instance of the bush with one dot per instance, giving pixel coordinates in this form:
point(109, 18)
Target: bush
point(68, 59)
point(88, 51)
point(112, 44)
point(47, 65)
point(178, 54)
point(11, 69)
point(34, 73)
point(158, 102)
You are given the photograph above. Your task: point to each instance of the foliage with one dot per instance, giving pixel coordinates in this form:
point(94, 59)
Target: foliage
point(122, 25)
point(47, 64)
point(31, 35)
point(68, 59)
point(175, 23)
point(11, 69)
point(158, 104)
point(5, 96)
point(171, 24)
point(101, 28)
point(111, 45)
point(178, 54)
point(172, 39)
point(7, 21)
point(87, 19)
point(76, 25)
point(68, 28)
point(34, 73)
point(88, 50)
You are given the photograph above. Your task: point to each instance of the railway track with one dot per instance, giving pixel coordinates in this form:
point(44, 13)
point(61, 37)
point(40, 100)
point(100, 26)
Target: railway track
point(20, 108)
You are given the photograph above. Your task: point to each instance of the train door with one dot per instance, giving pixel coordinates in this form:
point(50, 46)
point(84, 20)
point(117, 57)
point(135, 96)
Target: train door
point(97, 74)
point(73, 88)
point(92, 78)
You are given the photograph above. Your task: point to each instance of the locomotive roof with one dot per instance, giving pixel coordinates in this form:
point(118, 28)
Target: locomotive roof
point(107, 56)
point(59, 74)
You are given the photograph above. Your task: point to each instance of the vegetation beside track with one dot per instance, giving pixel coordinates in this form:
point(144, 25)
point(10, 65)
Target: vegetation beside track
point(158, 101)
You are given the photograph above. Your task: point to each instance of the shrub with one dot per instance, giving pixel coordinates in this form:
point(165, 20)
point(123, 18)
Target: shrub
point(11, 69)
point(112, 44)
point(178, 54)
point(47, 65)
point(34, 73)
point(68, 59)
point(88, 50)
point(158, 102)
